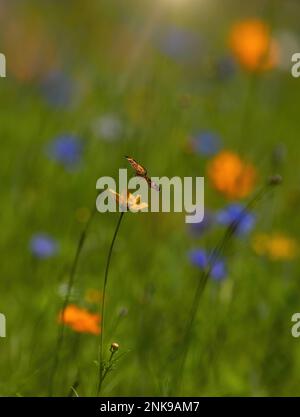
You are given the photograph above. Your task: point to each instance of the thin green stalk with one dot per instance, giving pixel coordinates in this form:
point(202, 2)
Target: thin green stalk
point(73, 389)
point(61, 331)
point(206, 273)
point(101, 367)
point(108, 366)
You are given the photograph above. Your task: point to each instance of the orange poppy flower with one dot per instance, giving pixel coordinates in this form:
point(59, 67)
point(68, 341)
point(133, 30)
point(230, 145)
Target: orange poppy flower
point(252, 45)
point(30, 52)
point(230, 175)
point(80, 320)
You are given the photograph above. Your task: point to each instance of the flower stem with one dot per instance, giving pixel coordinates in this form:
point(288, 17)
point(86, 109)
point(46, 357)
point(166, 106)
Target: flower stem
point(102, 374)
point(61, 331)
point(204, 278)
point(108, 367)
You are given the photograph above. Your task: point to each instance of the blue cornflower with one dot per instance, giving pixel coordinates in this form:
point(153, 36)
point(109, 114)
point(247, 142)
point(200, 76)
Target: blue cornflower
point(197, 229)
point(200, 258)
point(237, 213)
point(43, 246)
point(108, 127)
point(206, 143)
point(66, 149)
point(179, 44)
point(226, 67)
point(58, 89)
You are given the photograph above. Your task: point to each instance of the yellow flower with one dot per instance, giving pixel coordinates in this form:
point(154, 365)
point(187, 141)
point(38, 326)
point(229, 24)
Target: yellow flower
point(276, 246)
point(129, 201)
point(93, 296)
point(230, 175)
point(252, 45)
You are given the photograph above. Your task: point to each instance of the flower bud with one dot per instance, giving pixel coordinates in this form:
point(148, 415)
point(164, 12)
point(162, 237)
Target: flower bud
point(275, 179)
point(114, 347)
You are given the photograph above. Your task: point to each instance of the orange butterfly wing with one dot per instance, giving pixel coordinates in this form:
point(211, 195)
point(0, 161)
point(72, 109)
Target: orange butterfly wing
point(139, 169)
point(142, 172)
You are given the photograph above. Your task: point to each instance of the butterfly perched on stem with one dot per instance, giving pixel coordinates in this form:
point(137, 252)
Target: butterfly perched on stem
point(140, 171)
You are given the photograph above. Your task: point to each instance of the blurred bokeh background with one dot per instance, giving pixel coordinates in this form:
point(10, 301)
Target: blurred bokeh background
point(188, 88)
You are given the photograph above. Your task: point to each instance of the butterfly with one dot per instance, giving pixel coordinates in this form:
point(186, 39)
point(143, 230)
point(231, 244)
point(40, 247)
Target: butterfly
point(142, 172)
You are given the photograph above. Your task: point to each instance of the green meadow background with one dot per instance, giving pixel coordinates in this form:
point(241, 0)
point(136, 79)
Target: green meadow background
point(109, 53)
